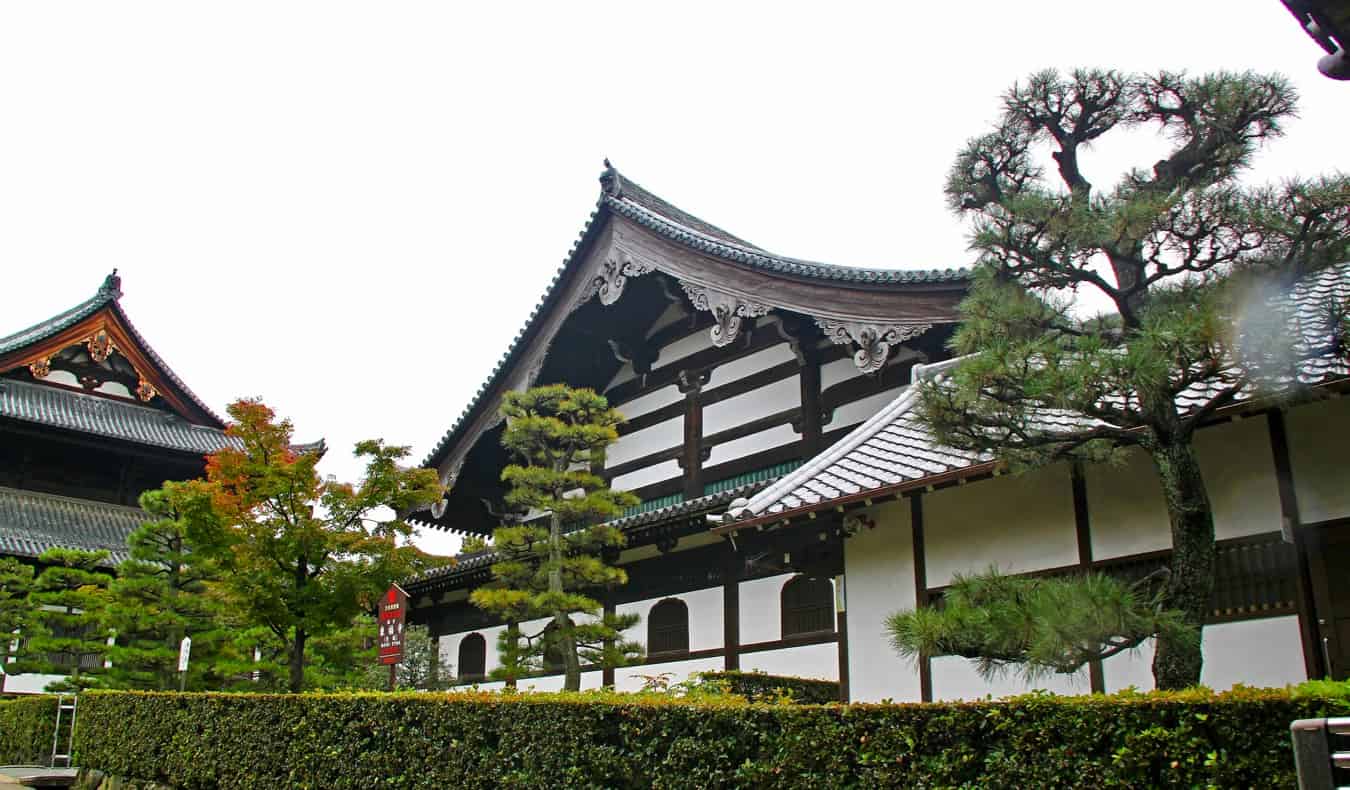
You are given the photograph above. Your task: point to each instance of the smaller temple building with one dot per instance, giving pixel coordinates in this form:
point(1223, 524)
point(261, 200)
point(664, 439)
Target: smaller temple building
point(90, 417)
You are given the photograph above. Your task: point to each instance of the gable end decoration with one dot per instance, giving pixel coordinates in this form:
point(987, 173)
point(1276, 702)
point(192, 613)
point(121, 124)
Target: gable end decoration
point(727, 309)
point(874, 341)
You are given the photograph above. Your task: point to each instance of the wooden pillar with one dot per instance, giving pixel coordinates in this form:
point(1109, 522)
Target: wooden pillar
point(1291, 529)
point(1083, 528)
point(810, 399)
point(920, 588)
point(691, 458)
point(841, 628)
point(607, 673)
point(731, 608)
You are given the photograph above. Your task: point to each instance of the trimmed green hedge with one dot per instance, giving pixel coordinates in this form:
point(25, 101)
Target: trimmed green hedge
point(26, 730)
point(480, 739)
point(760, 686)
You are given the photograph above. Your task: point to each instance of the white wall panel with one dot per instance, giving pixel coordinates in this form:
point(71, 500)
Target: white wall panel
point(749, 445)
point(761, 609)
point(837, 371)
point(1126, 512)
point(705, 617)
point(808, 661)
point(1130, 669)
point(1266, 653)
point(652, 401)
point(1019, 523)
point(683, 347)
point(1318, 436)
point(769, 399)
point(859, 410)
point(666, 470)
point(625, 373)
point(750, 363)
point(30, 683)
point(661, 436)
point(955, 678)
point(629, 678)
point(879, 581)
point(1239, 473)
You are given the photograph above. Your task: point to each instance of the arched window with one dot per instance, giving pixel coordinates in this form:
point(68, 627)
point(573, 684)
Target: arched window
point(472, 657)
point(808, 606)
point(668, 627)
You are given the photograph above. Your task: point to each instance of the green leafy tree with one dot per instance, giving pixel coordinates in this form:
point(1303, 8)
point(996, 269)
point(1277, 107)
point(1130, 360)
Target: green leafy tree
point(16, 581)
point(1038, 626)
point(1172, 250)
point(304, 555)
point(68, 605)
point(161, 594)
point(552, 560)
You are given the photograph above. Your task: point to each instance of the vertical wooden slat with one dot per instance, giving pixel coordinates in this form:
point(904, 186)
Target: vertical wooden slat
point(920, 587)
point(1083, 531)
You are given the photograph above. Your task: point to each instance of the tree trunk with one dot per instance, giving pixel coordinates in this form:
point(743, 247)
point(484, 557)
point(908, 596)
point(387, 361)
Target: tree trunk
point(566, 642)
point(1176, 664)
point(298, 661)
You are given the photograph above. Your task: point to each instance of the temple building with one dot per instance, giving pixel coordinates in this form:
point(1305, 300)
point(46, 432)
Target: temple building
point(90, 417)
point(791, 500)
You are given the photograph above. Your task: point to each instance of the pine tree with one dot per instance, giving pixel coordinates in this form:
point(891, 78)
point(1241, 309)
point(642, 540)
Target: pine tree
point(16, 581)
point(161, 594)
point(68, 605)
point(553, 559)
point(1175, 250)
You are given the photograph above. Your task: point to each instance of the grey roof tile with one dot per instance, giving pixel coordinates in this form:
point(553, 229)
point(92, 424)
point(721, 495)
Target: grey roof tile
point(53, 406)
point(32, 522)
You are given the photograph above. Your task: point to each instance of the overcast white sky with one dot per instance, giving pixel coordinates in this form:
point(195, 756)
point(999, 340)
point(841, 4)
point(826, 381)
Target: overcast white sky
point(350, 208)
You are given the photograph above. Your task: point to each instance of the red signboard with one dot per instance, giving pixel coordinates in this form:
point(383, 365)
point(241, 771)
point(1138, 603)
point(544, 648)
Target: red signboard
point(393, 607)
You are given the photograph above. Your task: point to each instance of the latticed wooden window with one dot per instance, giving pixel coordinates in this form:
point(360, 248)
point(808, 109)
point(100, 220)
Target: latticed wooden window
point(668, 627)
point(808, 606)
point(472, 657)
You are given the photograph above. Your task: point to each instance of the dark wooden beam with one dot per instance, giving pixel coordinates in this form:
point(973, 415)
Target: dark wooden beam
point(732, 566)
point(920, 588)
point(1083, 528)
point(1292, 529)
point(607, 673)
point(811, 414)
point(691, 456)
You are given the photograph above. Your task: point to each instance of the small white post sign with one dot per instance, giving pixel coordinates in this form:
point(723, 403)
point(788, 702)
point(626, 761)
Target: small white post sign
point(184, 652)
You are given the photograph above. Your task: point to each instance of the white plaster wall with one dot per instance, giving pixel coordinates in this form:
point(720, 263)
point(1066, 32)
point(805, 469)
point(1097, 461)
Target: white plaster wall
point(30, 683)
point(661, 436)
point(1266, 653)
point(674, 312)
point(1318, 436)
point(808, 661)
point(666, 470)
point(626, 373)
point(955, 678)
point(1019, 523)
point(1126, 512)
point(878, 581)
point(684, 347)
point(1239, 473)
point(750, 363)
point(769, 399)
point(705, 617)
point(859, 410)
point(629, 678)
point(761, 609)
point(650, 402)
point(748, 445)
point(839, 370)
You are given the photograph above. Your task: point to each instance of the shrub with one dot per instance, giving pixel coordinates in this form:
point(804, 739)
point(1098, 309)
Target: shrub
point(26, 730)
point(763, 687)
point(480, 739)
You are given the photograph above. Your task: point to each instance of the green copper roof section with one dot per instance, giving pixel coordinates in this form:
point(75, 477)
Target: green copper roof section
point(757, 476)
point(653, 504)
point(55, 407)
point(32, 522)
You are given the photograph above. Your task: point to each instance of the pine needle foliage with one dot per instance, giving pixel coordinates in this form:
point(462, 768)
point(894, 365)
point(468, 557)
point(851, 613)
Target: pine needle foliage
point(69, 631)
point(16, 580)
point(1036, 626)
point(554, 558)
point(1181, 253)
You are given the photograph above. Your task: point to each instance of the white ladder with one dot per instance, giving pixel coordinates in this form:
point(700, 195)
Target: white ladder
point(65, 703)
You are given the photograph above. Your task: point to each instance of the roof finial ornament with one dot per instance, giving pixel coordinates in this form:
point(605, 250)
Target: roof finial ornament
point(112, 286)
point(611, 181)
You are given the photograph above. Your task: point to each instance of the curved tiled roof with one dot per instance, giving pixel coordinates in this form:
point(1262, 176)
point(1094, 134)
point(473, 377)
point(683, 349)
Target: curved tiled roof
point(629, 200)
point(56, 407)
point(107, 296)
point(32, 522)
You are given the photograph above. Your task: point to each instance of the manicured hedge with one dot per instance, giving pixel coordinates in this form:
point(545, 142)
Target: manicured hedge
point(26, 730)
point(760, 686)
point(479, 739)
